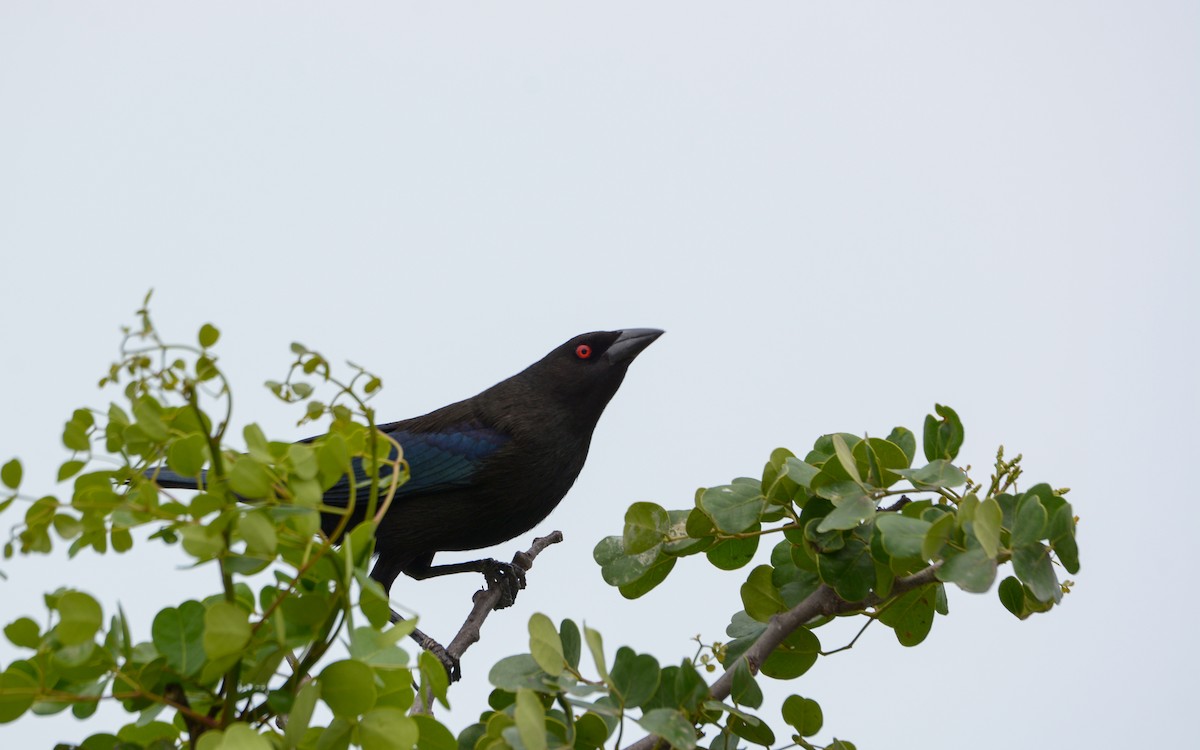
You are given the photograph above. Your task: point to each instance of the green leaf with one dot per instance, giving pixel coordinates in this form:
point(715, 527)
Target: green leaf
point(69, 527)
point(988, 519)
point(936, 538)
point(800, 471)
point(778, 487)
point(80, 617)
point(906, 441)
point(794, 656)
point(803, 714)
point(259, 532)
point(208, 335)
point(590, 732)
point(301, 714)
point(596, 645)
point(545, 644)
point(1032, 564)
point(752, 728)
point(206, 368)
point(202, 542)
point(178, 634)
point(759, 595)
point(10, 474)
point(732, 554)
point(745, 691)
point(823, 448)
point(911, 615)
point(336, 736)
point(433, 734)
point(348, 688)
point(303, 459)
point(1012, 596)
point(568, 633)
point(736, 507)
point(249, 478)
point(846, 458)
point(387, 728)
point(149, 733)
point(434, 677)
point(531, 720)
point(850, 571)
point(1030, 523)
point(148, 415)
point(973, 570)
point(226, 629)
point(69, 469)
point(1061, 531)
point(883, 458)
point(634, 677)
point(937, 473)
point(654, 576)
point(902, 536)
point(634, 574)
point(17, 692)
point(518, 671)
point(943, 437)
point(671, 725)
point(850, 513)
point(645, 526)
point(23, 632)
point(187, 455)
point(691, 531)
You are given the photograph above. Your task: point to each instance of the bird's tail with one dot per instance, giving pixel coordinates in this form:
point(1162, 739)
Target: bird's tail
point(164, 477)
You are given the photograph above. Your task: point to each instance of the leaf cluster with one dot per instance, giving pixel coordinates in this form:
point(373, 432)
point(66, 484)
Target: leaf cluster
point(216, 671)
point(838, 540)
point(294, 623)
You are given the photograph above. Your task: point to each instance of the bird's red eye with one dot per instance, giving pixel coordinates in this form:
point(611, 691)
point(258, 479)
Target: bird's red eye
point(583, 351)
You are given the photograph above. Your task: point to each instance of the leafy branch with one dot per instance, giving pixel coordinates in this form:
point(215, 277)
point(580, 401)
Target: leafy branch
point(226, 670)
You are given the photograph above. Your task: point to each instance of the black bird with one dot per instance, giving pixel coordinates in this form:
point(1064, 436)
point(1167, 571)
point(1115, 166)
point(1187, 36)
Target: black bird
point(490, 468)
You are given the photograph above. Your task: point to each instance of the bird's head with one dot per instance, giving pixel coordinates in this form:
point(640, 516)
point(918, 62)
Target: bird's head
point(586, 371)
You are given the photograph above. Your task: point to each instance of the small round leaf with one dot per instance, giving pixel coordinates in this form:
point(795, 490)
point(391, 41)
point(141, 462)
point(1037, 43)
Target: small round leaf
point(348, 688)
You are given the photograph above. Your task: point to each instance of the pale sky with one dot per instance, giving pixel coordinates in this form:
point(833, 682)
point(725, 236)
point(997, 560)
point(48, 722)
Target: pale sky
point(840, 213)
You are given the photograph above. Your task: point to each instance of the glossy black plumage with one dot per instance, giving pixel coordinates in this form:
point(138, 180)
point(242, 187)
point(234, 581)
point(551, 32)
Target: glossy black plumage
point(491, 467)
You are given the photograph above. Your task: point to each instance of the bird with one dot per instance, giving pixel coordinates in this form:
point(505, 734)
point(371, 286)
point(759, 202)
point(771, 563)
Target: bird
point(489, 468)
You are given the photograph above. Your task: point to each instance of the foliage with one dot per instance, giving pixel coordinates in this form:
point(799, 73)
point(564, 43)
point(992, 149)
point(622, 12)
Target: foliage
point(841, 553)
point(249, 665)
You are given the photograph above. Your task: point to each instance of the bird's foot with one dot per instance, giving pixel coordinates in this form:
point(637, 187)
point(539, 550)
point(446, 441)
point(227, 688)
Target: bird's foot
point(508, 578)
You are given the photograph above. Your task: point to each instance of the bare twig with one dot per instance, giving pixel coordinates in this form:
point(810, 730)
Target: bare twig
point(486, 600)
point(489, 598)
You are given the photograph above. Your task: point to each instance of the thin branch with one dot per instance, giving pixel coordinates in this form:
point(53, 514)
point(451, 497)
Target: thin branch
point(486, 601)
point(489, 598)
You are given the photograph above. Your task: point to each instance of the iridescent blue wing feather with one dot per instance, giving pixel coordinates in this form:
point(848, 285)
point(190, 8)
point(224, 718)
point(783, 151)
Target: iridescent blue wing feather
point(437, 461)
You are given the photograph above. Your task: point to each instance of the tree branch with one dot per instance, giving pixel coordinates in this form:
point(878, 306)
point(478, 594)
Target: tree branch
point(486, 600)
point(489, 598)
point(822, 602)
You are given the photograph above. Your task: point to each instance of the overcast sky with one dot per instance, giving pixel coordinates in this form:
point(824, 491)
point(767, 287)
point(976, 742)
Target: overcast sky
point(840, 213)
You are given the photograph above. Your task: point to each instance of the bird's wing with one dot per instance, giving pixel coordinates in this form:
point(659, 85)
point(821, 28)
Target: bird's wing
point(438, 460)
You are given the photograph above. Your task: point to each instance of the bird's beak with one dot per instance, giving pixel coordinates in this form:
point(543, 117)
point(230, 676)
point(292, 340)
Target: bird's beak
point(630, 343)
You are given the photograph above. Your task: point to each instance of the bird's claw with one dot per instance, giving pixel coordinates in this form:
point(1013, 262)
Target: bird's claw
point(451, 663)
point(508, 578)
